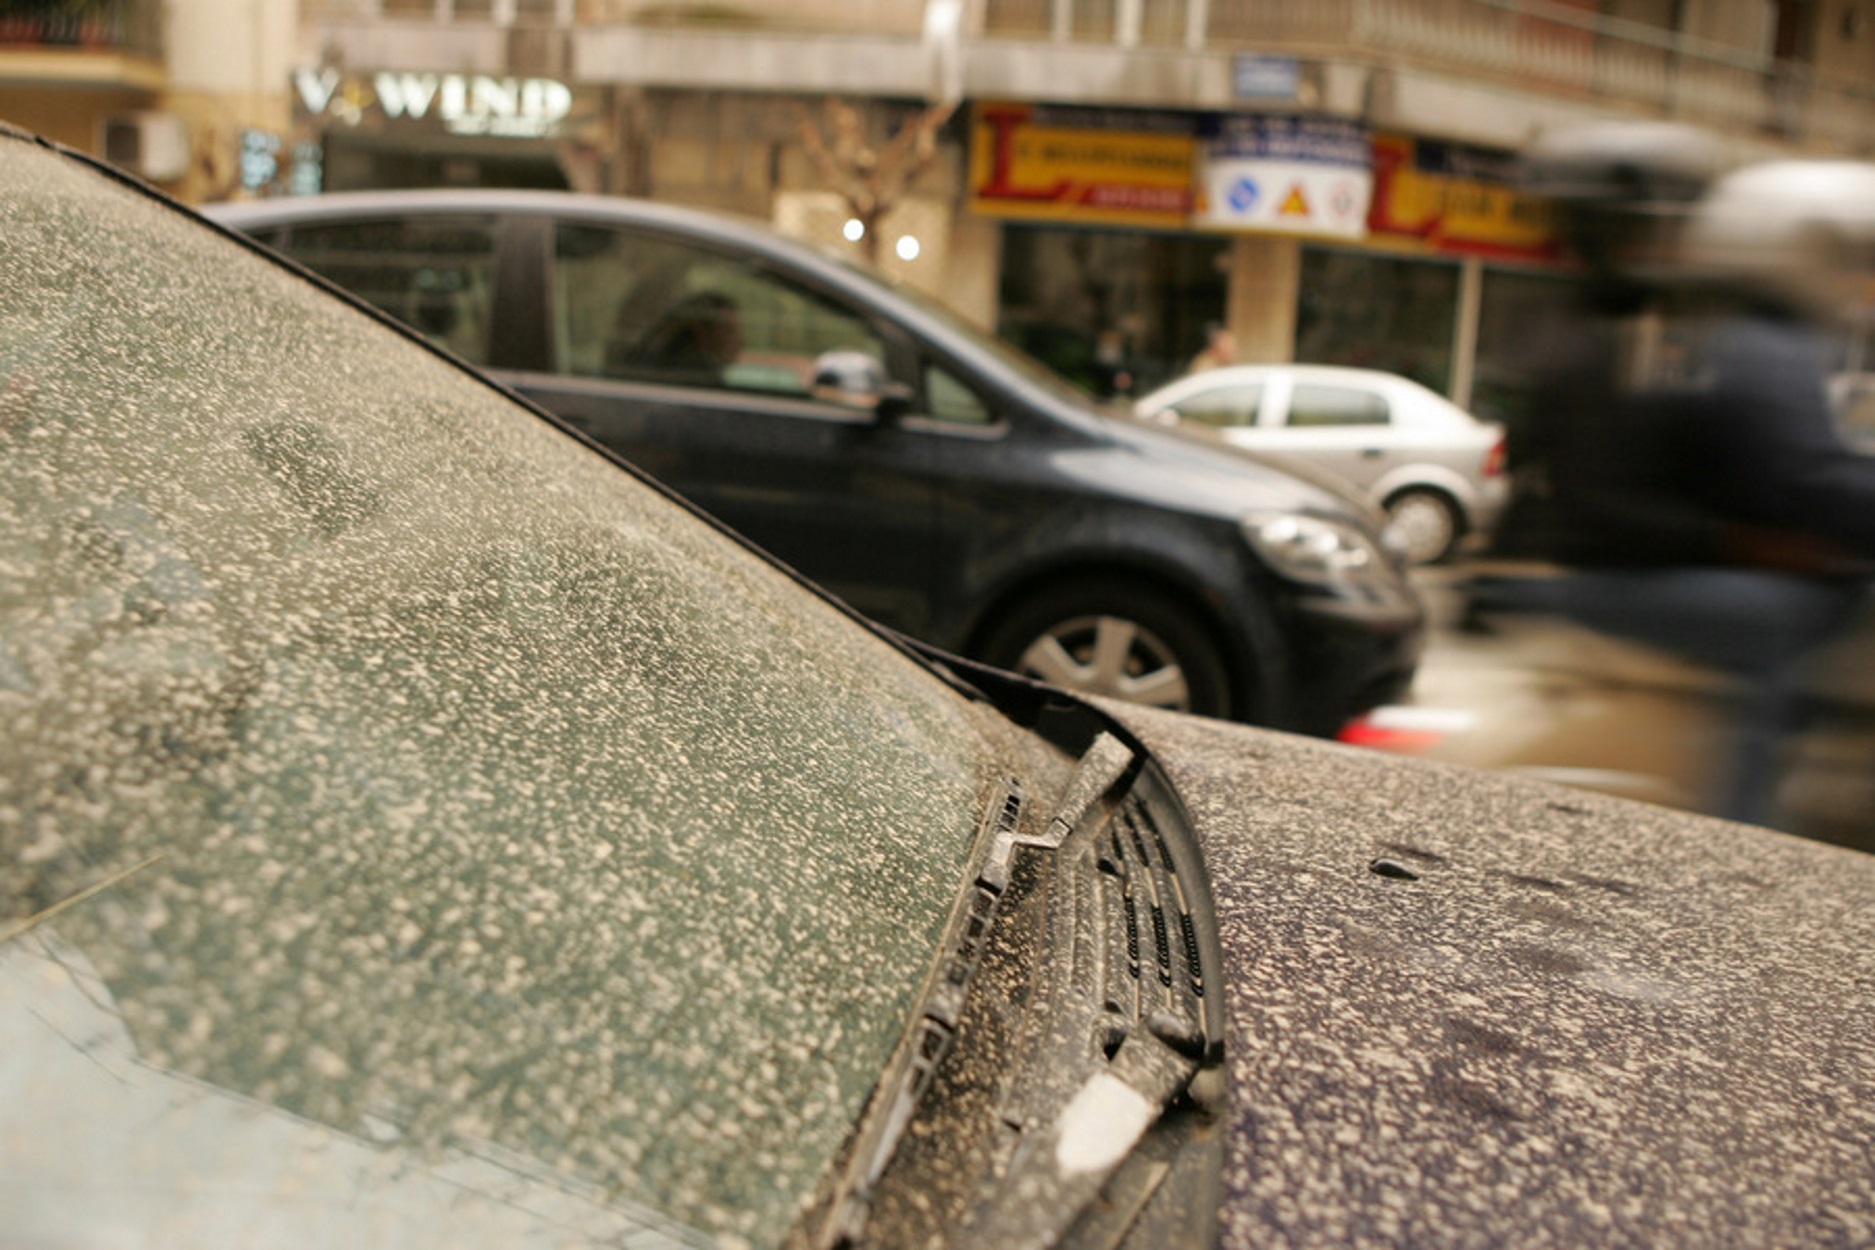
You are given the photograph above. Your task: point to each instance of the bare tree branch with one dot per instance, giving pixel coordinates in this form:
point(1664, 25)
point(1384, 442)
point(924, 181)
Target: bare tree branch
point(870, 181)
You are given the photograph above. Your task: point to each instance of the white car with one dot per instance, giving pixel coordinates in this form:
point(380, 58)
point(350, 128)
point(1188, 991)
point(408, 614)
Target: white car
point(1437, 470)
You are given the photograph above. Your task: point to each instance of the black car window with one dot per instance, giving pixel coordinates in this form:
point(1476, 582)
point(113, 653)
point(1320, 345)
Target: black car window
point(1315, 405)
point(949, 399)
point(649, 308)
point(434, 273)
point(1222, 406)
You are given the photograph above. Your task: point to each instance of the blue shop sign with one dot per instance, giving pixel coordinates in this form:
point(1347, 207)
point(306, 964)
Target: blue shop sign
point(1254, 77)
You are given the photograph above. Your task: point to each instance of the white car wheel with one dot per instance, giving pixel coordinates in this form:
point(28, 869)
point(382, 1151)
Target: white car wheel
point(1425, 523)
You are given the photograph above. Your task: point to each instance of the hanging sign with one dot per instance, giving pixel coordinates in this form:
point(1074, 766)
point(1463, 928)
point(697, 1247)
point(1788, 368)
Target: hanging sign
point(1266, 78)
point(1283, 175)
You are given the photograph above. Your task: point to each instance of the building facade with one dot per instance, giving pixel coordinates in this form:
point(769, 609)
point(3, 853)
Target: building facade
point(1107, 179)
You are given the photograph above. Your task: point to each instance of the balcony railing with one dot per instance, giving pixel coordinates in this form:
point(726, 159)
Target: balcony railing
point(128, 26)
point(1540, 46)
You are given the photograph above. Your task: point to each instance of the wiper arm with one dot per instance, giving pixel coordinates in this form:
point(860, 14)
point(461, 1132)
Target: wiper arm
point(1100, 769)
point(935, 1025)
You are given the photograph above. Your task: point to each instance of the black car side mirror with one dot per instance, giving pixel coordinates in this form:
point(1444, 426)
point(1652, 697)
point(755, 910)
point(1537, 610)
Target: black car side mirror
point(855, 380)
point(895, 403)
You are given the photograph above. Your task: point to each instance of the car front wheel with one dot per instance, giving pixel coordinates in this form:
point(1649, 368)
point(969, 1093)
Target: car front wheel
point(1120, 641)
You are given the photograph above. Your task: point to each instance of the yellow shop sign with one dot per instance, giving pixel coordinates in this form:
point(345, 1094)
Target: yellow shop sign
point(1088, 165)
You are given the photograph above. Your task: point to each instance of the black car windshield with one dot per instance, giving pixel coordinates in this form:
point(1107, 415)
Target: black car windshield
point(373, 751)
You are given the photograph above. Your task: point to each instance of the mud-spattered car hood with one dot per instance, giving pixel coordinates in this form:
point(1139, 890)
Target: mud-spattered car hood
point(1584, 1022)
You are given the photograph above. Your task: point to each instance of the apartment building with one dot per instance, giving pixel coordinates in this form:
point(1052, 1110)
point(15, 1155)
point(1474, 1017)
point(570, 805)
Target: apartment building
point(1103, 179)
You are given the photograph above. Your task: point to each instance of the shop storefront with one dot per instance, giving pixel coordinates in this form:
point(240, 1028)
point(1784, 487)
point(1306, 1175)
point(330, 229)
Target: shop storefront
point(390, 129)
point(1101, 275)
point(1127, 234)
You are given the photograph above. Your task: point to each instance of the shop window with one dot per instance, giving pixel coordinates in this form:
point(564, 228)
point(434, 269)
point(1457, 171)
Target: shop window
point(1317, 406)
point(650, 308)
point(1118, 312)
point(1516, 312)
point(1378, 312)
point(436, 274)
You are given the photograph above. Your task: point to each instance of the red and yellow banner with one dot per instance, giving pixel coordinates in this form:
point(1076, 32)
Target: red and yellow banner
point(1456, 199)
point(1058, 164)
point(1115, 167)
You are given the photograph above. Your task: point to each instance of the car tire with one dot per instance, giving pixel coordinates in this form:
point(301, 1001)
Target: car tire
point(1116, 639)
point(1427, 522)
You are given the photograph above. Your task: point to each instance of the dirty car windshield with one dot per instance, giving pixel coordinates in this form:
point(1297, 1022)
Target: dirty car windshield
point(372, 751)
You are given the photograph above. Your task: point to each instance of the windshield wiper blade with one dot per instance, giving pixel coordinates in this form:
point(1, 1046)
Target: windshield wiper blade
point(932, 1030)
point(1060, 1171)
point(1106, 761)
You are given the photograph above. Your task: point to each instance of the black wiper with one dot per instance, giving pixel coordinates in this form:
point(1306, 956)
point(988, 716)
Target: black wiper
point(1099, 770)
point(1061, 1170)
point(935, 1024)
point(1058, 1171)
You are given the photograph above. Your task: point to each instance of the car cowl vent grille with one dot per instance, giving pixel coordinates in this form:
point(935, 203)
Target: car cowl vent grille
point(1155, 963)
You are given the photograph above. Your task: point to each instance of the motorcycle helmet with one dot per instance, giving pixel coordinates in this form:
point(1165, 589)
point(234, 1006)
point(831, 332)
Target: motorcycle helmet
point(1800, 232)
point(1623, 189)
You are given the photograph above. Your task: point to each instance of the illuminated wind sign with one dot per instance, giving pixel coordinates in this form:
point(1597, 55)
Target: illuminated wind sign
point(462, 104)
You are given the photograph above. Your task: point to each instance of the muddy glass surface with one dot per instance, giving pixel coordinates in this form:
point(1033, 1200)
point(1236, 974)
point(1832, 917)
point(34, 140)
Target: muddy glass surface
point(371, 751)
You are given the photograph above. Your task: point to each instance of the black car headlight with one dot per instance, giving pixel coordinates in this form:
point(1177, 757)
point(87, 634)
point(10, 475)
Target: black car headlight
point(1316, 551)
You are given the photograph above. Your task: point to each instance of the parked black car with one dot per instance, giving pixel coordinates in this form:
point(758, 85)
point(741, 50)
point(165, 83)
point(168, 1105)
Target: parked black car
point(419, 829)
point(930, 475)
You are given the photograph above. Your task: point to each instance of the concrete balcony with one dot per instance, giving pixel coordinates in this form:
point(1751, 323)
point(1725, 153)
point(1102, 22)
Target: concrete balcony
point(1486, 71)
point(102, 45)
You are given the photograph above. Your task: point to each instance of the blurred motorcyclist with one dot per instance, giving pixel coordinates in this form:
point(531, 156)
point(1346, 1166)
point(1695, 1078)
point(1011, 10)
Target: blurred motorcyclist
point(1622, 193)
point(1688, 468)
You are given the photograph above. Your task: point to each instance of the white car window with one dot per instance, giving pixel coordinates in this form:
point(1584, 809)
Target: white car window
point(1222, 406)
point(1316, 405)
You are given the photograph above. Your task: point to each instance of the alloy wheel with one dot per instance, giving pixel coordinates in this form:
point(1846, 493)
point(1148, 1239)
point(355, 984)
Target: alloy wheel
point(1110, 656)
